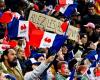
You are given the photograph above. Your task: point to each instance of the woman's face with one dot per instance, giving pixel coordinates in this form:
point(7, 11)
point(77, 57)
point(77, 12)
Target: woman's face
point(21, 54)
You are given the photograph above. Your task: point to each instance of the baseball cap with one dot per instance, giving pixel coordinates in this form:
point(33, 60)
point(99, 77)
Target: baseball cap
point(90, 25)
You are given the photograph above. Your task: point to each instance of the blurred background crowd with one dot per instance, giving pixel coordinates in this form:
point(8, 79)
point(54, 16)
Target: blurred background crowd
point(76, 60)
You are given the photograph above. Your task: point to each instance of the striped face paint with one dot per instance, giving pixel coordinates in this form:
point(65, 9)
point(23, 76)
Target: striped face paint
point(64, 69)
point(97, 72)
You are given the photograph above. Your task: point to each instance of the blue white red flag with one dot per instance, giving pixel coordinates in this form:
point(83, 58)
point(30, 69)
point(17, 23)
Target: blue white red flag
point(43, 39)
point(18, 28)
point(67, 10)
point(65, 1)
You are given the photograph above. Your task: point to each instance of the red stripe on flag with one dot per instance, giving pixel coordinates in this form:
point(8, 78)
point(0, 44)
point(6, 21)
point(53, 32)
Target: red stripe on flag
point(27, 50)
point(57, 7)
point(62, 1)
point(32, 26)
point(36, 37)
point(6, 17)
point(64, 26)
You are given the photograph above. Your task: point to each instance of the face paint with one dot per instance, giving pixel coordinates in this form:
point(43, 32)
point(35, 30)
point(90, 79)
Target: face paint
point(63, 68)
point(97, 72)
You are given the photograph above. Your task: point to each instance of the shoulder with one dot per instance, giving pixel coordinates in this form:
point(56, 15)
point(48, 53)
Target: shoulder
point(59, 77)
point(3, 67)
point(86, 16)
point(85, 77)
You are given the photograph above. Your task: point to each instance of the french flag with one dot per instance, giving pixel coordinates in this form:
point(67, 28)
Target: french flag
point(18, 28)
point(8, 16)
point(65, 1)
point(43, 39)
point(92, 55)
point(21, 28)
point(57, 7)
point(67, 10)
point(16, 15)
point(64, 26)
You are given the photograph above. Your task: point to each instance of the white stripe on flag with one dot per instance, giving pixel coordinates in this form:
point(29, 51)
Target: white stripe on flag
point(47, 40)
point(96, 56)
point(63, 9)
point(23, 28)
point(69, 1)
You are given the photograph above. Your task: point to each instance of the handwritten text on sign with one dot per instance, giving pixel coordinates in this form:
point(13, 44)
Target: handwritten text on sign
point(46, 22)
point(73, 32)
point(52, 24)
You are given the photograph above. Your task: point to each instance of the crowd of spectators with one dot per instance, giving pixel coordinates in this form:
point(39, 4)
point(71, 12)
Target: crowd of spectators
point(76, 60)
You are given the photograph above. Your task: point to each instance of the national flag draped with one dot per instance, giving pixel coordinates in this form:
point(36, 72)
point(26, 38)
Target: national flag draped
point(65, 1)
point(43, 39)
point(92, 55)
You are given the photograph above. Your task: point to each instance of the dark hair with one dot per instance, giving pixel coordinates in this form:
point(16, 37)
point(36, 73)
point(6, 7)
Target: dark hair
point(90, 4)
point(88, 44)
point(97, 26)
point(5, 53)
point(82, 35)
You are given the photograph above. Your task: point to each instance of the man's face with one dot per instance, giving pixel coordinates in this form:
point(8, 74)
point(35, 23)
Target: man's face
point(64, 70)
point(11, 58)
point(91, 10)
point(89, 29)
point(2, 5)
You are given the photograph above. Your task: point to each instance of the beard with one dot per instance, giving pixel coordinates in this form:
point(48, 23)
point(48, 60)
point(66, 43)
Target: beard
point(13, 63)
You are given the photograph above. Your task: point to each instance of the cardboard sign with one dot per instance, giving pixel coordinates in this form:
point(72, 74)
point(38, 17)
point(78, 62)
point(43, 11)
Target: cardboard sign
point(73, 32)
point(52, 24)
point(46, 22)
